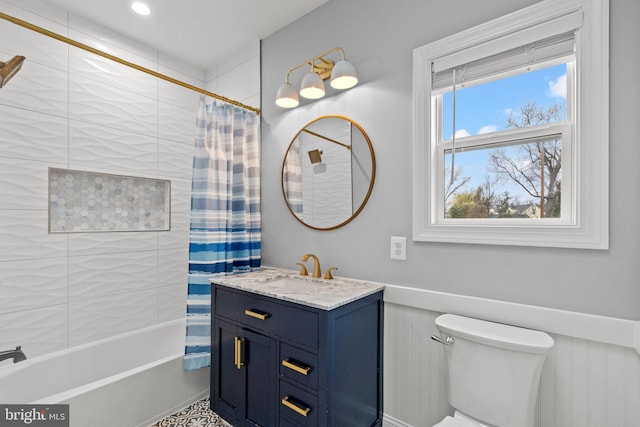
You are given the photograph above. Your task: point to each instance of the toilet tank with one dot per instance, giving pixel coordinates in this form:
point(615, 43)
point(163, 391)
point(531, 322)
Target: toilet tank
point(493, 369)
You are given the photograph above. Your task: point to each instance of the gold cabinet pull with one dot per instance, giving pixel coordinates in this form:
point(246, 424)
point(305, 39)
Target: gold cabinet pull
point(304, 370)
point(238, 354)
point(302, 411)
point(257, 314)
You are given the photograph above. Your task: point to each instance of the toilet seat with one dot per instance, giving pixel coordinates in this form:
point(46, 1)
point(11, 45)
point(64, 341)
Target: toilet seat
point(455, 422)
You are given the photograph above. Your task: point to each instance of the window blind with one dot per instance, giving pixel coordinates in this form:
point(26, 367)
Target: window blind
point(534, 45)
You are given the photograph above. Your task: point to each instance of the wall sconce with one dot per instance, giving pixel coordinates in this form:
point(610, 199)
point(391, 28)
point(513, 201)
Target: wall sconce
point(9, 69)
point(343, 76)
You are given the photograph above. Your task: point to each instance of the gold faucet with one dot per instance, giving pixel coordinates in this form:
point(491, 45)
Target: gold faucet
point(303, 269)
point(328, 275)
point(317, 272)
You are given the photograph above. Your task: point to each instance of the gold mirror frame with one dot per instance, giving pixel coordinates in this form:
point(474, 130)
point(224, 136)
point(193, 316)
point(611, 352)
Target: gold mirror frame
point(371, 180)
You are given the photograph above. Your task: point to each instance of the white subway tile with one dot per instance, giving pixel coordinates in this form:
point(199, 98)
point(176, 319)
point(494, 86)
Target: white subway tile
point(94, 102)
point(98, 318)
point(24, 235)
point(242, 81)
point(178, 124)
point(88, 65)
point(178, 69)
point(108, 41)
point(44, 285)
point(174, 239)
point(172, 302)
point(180, 195)
point(39, 331)
point(93, 146)
point(39, 88)
point(28, 134)
point(96, 276)
point(23, 184)
point(36, 47)
point(173, 94)
point(107, 243)
point(176, 159)
point(174, 267)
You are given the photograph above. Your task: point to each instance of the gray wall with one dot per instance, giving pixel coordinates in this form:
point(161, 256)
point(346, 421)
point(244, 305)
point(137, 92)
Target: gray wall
point(379, 39)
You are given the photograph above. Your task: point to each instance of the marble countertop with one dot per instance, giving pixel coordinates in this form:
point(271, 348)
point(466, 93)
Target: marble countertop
point(319, 293)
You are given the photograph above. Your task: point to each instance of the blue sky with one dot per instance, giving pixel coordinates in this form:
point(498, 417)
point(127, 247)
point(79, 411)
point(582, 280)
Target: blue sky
point(485, 108)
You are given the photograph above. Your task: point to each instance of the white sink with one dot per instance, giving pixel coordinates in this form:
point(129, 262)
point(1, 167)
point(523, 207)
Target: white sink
point(295, 283)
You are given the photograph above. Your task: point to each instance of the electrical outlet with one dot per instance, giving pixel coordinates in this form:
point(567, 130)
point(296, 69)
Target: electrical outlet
point(398, 247)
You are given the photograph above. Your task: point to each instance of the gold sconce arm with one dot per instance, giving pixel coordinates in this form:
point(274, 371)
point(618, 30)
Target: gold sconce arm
point(324, 68)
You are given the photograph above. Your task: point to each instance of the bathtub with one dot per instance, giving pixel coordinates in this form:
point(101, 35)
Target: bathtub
point(133, 379)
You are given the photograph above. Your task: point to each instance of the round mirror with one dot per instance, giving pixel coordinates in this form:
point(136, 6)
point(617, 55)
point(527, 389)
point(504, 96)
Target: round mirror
point(328, 172)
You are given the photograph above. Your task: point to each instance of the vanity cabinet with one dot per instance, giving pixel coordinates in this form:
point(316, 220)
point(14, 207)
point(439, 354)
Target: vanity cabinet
point(281, 363)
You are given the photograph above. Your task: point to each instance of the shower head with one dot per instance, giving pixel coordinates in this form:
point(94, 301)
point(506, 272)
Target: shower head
point(315, 156)
point(9, 69)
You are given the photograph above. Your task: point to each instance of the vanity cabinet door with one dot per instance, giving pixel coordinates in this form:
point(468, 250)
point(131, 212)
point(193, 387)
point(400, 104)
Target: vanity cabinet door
point(242, 376)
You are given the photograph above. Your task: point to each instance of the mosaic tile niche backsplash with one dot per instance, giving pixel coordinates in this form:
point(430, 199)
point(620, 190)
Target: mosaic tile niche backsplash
point(95, 202)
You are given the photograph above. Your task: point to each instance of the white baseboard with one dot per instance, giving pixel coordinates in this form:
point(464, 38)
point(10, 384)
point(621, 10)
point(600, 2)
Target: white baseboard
point(389, 421)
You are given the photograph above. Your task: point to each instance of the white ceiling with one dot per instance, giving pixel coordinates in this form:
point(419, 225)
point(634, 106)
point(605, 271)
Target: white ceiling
point(199, 32)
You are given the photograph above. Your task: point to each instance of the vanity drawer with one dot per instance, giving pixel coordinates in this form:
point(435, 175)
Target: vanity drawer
point(297, 407)
point(299, 365)
point(243, 308)
point(267, 314)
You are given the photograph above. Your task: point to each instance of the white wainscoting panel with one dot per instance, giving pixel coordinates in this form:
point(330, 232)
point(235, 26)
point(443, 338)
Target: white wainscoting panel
point(584, 383)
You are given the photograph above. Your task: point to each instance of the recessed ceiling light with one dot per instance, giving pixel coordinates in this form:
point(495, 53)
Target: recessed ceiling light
point(140, 8)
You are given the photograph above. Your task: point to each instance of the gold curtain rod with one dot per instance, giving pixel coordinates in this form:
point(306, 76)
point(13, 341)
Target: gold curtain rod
point(72, 42)
point(326, 138)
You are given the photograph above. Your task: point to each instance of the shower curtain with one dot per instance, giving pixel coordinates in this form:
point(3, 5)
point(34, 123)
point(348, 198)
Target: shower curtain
point(293, 180)
point(225, 231)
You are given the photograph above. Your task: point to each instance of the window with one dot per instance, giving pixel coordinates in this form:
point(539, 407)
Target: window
point(511, 130)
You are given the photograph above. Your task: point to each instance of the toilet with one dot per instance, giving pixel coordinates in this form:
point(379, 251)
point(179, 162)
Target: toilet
point(493, 371)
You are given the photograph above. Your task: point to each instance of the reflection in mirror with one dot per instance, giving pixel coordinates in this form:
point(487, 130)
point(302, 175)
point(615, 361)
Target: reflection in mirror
point(328, 172)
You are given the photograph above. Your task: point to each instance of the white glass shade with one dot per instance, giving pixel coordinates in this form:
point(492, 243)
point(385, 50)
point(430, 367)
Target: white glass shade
point(312, 86)
point(343, 75)
point(287, 96)
point(140, 8)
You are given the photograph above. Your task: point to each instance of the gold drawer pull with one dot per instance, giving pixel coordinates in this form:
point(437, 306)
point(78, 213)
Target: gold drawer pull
point(304, 370)
point(304, 412)
point(257, 314)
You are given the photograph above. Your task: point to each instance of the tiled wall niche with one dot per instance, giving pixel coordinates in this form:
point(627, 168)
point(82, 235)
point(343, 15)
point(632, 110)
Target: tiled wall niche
point(82, 201)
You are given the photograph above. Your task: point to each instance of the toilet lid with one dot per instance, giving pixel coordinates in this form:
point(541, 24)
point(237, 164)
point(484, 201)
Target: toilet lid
point(455, 422)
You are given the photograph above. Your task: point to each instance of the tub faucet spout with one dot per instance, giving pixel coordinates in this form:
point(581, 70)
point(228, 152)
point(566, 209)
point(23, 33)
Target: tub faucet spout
point(17, 355)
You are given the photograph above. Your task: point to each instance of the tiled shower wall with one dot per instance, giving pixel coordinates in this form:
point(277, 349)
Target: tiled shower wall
point(68, 108)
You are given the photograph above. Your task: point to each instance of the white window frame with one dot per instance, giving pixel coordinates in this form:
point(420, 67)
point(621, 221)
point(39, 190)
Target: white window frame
point(585, 161)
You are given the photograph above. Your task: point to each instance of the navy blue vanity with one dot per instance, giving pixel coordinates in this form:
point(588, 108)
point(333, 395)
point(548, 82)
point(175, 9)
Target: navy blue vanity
point(291, 351)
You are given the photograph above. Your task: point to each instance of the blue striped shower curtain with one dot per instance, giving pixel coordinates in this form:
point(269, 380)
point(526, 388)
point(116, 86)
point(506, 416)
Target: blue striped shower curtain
point(224, 236)
point(292, 179)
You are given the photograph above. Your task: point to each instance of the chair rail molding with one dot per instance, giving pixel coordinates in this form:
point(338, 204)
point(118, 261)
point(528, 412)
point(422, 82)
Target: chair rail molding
point(609, 330)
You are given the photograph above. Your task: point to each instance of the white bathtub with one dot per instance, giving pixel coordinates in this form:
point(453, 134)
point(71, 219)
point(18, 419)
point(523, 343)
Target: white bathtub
point(129, 380)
